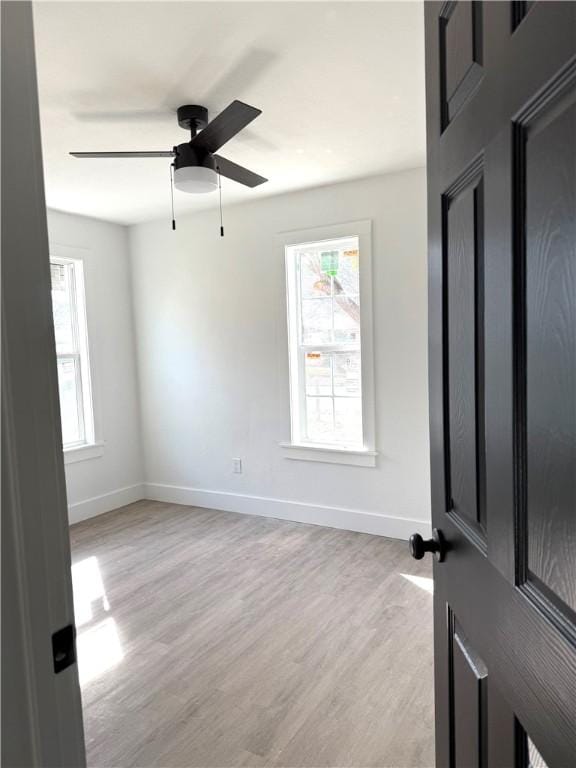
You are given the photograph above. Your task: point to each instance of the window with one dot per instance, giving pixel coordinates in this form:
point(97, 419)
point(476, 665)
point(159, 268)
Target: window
point(327, 323)
point(72, 353)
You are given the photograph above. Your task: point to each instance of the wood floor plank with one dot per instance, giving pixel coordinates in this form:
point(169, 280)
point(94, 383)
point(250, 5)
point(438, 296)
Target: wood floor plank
point(219, 640)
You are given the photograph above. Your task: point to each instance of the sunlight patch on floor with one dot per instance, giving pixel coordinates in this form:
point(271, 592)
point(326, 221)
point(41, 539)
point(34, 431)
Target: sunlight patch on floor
point(99, 650)
point(88, 587)
point(98, 644)
point(423, 582)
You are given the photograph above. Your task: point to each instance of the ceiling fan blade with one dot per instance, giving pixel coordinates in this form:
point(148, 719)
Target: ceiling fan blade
point(226, 125)
point(237, 172)
point(169, 153)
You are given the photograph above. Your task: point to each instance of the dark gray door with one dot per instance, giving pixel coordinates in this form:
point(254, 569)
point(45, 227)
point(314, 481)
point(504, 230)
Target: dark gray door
point(501, 111)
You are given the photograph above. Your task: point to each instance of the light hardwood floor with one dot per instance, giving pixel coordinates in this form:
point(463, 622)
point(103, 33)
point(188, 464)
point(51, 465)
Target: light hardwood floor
point(218, 639)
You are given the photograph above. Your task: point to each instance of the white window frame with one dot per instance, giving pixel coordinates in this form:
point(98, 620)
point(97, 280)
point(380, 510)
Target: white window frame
point(296, 448)
point(92, 446)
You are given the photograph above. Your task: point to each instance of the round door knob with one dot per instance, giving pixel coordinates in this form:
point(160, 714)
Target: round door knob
point(419, 546)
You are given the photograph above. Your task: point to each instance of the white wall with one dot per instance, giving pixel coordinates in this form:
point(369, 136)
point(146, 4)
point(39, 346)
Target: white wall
point(115, 478)
point(213, 365)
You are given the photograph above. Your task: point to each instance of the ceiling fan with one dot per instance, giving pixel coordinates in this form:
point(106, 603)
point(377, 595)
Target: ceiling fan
point(196, 167)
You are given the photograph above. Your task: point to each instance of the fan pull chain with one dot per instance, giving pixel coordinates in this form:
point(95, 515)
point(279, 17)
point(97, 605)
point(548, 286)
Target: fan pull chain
point(220, 193)
point(172, 194)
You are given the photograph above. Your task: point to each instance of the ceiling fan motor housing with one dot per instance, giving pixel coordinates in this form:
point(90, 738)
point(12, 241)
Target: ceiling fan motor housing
point(187, 156)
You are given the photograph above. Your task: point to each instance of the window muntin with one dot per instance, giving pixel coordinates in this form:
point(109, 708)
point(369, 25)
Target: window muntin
point(72, 352)
point(325, 343)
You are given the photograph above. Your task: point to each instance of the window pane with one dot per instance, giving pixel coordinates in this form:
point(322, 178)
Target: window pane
point(348, 420)
point(69, 401)
point(313, 281)
point(346, 319)
point(319, 419)
point(318, 372)
point(316, 321)
point(348, 276)
point(62, 275)
point(347, 374)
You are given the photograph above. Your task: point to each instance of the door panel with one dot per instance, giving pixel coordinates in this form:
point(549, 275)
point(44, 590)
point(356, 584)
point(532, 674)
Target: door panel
point(549, 149)
point(464, 224)
point(461, 54)
point(469, 696)
point(501, 111)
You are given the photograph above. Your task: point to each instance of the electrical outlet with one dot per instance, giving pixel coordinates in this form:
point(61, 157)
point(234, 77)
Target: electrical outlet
point(237, 466)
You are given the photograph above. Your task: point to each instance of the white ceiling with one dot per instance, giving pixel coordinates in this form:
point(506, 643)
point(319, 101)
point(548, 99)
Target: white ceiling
point(340, 85)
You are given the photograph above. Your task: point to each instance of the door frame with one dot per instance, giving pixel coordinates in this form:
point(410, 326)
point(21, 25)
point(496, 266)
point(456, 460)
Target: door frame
point(41, 708)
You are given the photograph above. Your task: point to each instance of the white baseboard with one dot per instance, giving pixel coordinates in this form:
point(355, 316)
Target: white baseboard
point(282, 509)
point(331, 517)
point(97, 505)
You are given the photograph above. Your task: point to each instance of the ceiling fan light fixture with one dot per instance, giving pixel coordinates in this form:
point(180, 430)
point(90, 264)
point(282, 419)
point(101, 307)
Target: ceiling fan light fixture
point(195, 179)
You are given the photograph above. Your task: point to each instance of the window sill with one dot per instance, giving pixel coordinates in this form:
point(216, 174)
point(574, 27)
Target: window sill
point(354, 458)
point(83, 452)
